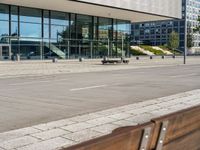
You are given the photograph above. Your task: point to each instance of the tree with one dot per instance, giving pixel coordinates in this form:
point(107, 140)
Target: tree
point(190, 40)
point(197, 29)
point(173, 40)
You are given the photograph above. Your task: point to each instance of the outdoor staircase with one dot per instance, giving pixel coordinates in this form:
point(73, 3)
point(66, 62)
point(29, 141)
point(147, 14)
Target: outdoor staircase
point(56, 50)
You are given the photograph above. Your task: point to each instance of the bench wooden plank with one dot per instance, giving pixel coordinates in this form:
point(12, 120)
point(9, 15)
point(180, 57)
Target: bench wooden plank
point(128, 138)
point(179, 124)
point(190, 141)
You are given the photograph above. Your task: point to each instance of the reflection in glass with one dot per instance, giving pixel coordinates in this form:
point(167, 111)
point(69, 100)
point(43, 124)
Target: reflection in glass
point(30, 15)
point(4, 23)
point(14, 28)
point(4, 12)
point(105, 28)
point(14, 13)
point(30, 22)
point(84, 27)
point(4, 28)
point(65, 35)
point(59, 25)
point(30, 30)
point(46, 25)
point(14, 21)
point(30, 49)
point(84, 33)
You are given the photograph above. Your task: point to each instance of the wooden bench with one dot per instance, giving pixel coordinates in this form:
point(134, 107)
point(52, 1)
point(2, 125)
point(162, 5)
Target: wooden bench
point(114, 61)
point(176, 131)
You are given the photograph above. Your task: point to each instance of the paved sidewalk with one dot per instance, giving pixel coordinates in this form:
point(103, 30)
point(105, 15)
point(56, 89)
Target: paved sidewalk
point(41, 68)
point(67, 132)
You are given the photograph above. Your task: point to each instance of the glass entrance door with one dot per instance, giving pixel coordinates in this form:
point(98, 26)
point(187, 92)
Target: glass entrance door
point(5, 52)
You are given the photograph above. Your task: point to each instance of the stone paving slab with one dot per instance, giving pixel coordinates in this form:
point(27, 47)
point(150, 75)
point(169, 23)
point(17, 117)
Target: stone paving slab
point(19, 142)
point(71, 131)
point(46, 135)
point(41, 68)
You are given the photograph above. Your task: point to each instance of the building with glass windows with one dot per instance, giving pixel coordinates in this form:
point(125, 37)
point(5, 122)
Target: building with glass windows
point(69, 29)
point(157, 32)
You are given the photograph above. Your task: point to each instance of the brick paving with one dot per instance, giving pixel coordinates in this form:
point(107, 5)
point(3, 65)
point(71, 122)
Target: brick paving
point(46, 67)
point(67, 132)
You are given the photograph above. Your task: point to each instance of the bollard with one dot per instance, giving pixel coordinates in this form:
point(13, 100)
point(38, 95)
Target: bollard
point(54, 60)
point(105, 58)
point(174, 56)
point(81, 59)
point(18, 57)
point(163, 57)
point(151, 57)
point(13, 57)
point(137, 58)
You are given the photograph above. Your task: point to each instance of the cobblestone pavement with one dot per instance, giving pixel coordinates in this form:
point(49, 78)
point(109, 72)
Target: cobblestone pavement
point(39, 68)
point(67, 132)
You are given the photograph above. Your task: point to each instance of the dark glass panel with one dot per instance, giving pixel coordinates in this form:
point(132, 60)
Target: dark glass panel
point(30, 49)
point(84, 33)
point(84, 27)
point(59, 25)
point(59, 18)
point(46, 24)
point(14, 13)
point(14, 28)
point(73, 26)
point(46, 17)
point(4, 12)
point(14, 20)
point(105, 28)
point(95, 30)
point(30, 15)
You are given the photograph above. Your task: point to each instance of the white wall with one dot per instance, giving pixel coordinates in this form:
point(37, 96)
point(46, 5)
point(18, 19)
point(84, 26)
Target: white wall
point(138, 15)
point(162, 7)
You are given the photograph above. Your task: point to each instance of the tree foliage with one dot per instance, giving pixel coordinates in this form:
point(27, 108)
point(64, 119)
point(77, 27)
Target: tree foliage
point(173, 40)
point(197, 29)
point(190, 40)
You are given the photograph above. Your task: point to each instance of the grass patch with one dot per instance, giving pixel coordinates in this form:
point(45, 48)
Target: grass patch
point(167, 49)
point(135, 52)
point(155, 51)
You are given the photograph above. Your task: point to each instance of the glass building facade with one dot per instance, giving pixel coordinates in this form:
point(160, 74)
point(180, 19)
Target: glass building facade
point(157, 32)
point(44, 34)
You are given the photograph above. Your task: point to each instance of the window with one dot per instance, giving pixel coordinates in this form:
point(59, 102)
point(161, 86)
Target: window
point(4, 12)
point(14, 21)
point(84, 27)
point(105, 28)
point(4, 21)
point(123, 28)
point(46, 25)
point(59, 25)
point(30, 23)
point(4, 28)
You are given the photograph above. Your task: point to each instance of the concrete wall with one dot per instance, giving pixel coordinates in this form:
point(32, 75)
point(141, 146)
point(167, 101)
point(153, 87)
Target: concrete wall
point(133, 10)
point(161, 7)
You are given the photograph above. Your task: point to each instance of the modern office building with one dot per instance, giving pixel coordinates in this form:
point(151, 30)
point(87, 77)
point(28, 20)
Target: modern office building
point(157, 32)
point(69, 29)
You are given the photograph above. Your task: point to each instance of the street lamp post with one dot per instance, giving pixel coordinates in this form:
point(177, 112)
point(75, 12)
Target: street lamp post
point(185, 50)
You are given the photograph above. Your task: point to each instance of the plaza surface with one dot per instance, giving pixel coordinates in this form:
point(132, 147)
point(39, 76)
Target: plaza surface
point(37, 92)
point(68, 132)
